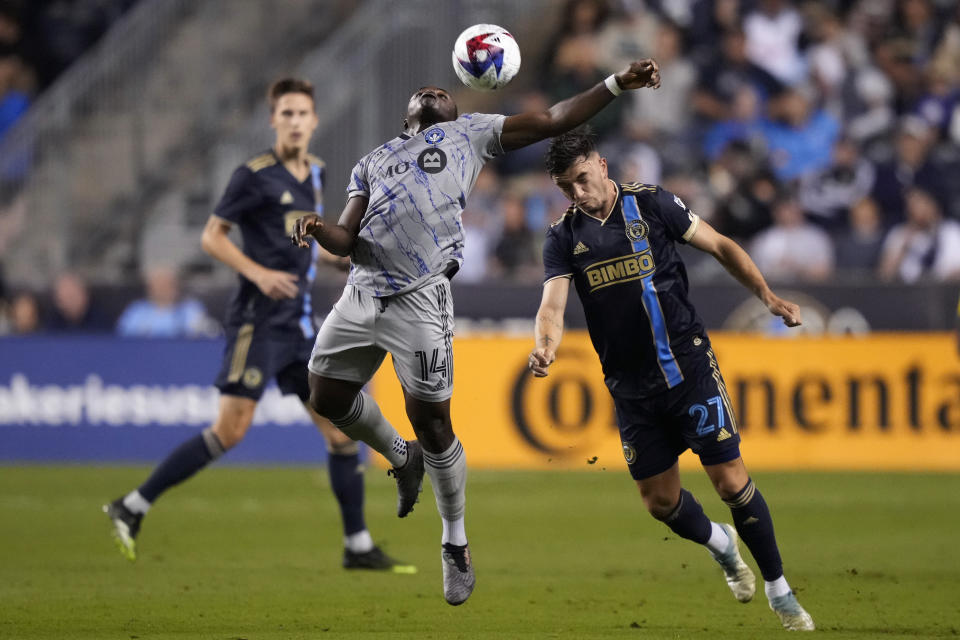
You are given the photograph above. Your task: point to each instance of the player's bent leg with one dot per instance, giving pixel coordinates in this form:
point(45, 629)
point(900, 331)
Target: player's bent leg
point(347, 482)
point(676, 507)
point(446, 463)
point(753, 521)
point(357, 415)
point(126, 513)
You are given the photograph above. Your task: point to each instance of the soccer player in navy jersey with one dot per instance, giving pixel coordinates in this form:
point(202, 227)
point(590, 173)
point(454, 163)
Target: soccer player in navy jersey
point(269, 324)
point(617, 243)
point(401, 228)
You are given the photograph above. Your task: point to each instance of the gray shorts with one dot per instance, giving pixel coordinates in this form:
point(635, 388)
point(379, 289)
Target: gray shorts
point(416, 328)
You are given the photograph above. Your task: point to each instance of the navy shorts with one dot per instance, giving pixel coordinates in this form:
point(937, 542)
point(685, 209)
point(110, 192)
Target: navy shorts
point(251, 360)
point(696, 414)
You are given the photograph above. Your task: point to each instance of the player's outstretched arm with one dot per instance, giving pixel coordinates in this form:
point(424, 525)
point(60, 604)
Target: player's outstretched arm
point(274, 284)
point(339, 239)
point(548, 329)
point(526, 128)
point(735, 260)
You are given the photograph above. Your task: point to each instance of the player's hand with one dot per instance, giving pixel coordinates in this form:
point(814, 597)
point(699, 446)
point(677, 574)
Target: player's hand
point(540, 360)
point(304, 228)
point(278, 285)
point(789, 311)
point(640, 75)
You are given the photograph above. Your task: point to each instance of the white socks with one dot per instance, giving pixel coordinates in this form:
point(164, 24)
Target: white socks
point(136, 502)
point(448, 474)
point(719, 540)
point(777, 588)
point(359, 542)
point(365, 422)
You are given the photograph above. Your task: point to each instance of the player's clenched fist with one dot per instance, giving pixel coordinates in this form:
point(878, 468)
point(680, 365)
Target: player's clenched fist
point(540, 359)
point(640, 75)
point(305, 227)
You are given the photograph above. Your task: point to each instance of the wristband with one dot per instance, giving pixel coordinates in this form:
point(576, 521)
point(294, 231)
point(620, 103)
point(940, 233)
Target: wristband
point(612, 85)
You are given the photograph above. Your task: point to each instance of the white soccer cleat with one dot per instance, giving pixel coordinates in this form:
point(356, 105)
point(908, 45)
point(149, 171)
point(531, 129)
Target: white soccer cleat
point(739, 577)
point(791, 614)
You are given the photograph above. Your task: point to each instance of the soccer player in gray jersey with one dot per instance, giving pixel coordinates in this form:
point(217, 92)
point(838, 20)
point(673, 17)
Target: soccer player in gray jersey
point(401, 228)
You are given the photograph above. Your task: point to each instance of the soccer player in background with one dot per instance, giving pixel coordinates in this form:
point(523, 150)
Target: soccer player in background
point(617, 243)
point(401, 228)
point(269, 323)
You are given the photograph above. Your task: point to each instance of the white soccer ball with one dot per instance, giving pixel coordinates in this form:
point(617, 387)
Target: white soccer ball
point(486, 57)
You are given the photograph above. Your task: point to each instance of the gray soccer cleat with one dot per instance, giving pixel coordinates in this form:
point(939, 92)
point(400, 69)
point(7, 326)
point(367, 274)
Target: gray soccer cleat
point(409, 479)
point(458, 578)
point(739, 577)
point(791, 614)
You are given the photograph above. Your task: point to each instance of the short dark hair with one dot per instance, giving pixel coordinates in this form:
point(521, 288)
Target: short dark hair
point(566, 148)
point(283, 86)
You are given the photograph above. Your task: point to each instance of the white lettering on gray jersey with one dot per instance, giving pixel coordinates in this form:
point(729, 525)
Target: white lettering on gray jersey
point(418, 186)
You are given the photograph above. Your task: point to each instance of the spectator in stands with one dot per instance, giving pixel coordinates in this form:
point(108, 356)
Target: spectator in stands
point(745, 191)
point(798, 136)
point(868, 106)
point(574, 65)
point(826, 196)
point(742, 124)
point(479, 226)
point(925, 246)
point(911, 166)
point(14, 99)
point(773, 40)
point(793, 249)
point(940, 105)
point(858, 247)
point(664, 115)
point(163, 314)
point(72, 308)
point(722, 79)
point(24, 313)
point(517, 252)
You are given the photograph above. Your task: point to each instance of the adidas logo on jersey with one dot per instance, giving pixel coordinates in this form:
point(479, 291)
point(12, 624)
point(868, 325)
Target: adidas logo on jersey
point(286, 198)
point(723, 435)
point(439, 386)
point(580, 248)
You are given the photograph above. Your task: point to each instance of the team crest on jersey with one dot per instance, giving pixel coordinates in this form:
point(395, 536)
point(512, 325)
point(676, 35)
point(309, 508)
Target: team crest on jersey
point(432, 160)
point(637, 230)
point(434, 136)
point(252, 378)
point(629, 453)
point(286, 198)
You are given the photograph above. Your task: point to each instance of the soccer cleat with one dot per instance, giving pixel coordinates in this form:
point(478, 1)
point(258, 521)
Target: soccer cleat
point(376, 560)
point(409, 479)
point(739, 577)
point(791, 614)
point(458, 578)
point(126, 525)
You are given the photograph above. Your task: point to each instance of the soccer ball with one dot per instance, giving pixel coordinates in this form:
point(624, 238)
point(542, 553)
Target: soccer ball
point(486, 57)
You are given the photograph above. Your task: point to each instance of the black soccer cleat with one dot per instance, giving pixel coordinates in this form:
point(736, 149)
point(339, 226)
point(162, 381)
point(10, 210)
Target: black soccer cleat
point(409, 479)
point(126, 526)
point(375, 560)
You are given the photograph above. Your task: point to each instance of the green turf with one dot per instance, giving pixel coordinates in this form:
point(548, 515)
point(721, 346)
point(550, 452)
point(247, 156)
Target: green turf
point(241, 553)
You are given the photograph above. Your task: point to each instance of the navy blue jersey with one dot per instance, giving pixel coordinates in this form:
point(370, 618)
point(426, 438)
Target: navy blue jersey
point(265, 200)
point(632, 284)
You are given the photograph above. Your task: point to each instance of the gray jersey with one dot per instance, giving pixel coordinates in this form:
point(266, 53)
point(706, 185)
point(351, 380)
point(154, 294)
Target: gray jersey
point(418, 186)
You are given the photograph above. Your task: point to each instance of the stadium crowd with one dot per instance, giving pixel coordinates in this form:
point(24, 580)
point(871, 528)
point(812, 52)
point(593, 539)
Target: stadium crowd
point(821, 135)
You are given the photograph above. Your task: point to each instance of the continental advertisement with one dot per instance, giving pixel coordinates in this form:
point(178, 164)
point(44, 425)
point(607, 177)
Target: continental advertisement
point(883, 401)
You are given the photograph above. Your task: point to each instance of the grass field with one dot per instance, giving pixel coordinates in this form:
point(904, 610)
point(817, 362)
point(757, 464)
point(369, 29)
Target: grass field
point(254, 553)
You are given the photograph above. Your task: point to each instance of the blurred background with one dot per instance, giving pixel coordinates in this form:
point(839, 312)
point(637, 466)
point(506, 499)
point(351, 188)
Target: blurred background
point(824, 136)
